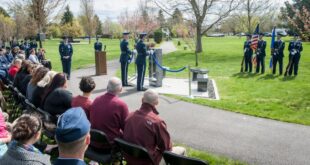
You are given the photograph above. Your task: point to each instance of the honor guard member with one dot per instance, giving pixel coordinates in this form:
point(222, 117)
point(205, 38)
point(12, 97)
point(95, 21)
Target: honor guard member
point(34, 45)
point(248, 52)
point(27, 47)
point(261, 54)
point(66, 51)
point(98, 45)
point(295, 48)
point(141, 61)
point(278, 55)
point(125, 58)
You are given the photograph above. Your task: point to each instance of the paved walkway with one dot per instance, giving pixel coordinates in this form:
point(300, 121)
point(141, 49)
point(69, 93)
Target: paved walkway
point(168, 47)
point(250, 139)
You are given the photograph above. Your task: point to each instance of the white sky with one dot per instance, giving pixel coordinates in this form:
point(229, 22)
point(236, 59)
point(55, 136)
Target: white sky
point(108, 8)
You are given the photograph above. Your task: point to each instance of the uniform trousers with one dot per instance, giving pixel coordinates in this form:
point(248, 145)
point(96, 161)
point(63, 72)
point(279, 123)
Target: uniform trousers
point(294, 59)
point(124, 70)
point(277, 59)
point(248, 63)
point(66, 67)
point(141, 74)
point(260, 63)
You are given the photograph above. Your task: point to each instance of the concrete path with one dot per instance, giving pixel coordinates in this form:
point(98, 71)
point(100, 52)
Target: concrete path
point(168, 47)
point(250, 139)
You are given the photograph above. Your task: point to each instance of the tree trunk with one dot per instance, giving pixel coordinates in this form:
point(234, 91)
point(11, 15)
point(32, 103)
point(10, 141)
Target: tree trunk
point(198, 40)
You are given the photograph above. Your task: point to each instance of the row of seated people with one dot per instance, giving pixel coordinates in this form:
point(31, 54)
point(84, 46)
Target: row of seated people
point(107, 113)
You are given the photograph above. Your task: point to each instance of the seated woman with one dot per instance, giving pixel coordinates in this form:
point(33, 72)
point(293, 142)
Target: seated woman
point(57, 99)
point(26, 131)
point(33, 57)
point(42, 86)
point(38, 75)
point(24, 71)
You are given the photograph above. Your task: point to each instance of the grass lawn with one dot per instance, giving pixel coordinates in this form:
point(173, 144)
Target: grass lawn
point(83, 53)
point(268, 96)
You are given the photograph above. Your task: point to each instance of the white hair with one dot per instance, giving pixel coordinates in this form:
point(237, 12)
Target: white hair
point(17, 61)
point(114, 85)
point(47, 79)
point(150, 96)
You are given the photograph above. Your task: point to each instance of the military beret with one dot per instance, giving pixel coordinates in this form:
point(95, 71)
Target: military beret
point(72, 125)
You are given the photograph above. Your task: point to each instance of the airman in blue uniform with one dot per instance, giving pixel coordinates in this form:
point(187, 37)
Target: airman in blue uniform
point(248, 52)
point(295, 48)
point(33, 44)
point(66, 51)
point(278, 55)
point(98, 45)
point(27, 47)
point(125, 58)
point(141, 61)
point(261, 54)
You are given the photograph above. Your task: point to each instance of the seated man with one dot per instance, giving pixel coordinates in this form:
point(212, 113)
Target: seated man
point(72, 136)
point(145, 128)
point(108, 113)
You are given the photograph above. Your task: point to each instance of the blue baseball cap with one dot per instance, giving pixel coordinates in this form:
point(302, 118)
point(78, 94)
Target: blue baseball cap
point(72, 125)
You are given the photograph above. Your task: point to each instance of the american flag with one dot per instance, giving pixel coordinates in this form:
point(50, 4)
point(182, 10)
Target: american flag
point(254, 40)
point(254, 43)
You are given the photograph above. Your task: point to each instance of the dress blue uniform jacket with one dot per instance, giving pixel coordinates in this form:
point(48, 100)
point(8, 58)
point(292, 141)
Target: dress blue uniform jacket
point(33, 45)
point(261, 48)
point(247, 48)
point(125, 52)
point(141, 49)
point(69, 162)
point(297, 45)
point(65, 50)
point(98, 46)
point(279, 47)
point(9, 57)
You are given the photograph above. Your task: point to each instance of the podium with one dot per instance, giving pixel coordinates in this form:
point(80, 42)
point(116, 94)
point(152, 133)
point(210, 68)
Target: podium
point(101, 63)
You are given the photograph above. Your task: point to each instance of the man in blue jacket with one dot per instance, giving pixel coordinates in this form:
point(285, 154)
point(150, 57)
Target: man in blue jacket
point(66, 51)
point(98, 45)
point(73, 137)
point(141, 61)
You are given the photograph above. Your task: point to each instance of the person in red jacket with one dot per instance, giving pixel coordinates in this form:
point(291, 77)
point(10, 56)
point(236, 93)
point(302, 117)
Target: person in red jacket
point(145, 128)
point(108, 113)
point(15, 68)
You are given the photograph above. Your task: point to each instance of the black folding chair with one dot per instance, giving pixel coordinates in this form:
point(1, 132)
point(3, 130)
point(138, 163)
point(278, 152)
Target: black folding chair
point(49, 123)
point(93, 153)
point(175, 159)
point(133, 150)
point(30, 107)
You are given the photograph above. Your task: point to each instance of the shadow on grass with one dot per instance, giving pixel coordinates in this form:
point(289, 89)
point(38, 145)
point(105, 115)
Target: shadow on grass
point(268, 77)
point(288, 78)
point(245, 75)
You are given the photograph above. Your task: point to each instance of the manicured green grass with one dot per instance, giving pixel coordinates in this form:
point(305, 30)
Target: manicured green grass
point(211, 158)
point(268, 96)
point(83, 53)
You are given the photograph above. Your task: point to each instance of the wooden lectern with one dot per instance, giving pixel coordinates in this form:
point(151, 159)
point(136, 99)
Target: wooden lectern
point(101, 63)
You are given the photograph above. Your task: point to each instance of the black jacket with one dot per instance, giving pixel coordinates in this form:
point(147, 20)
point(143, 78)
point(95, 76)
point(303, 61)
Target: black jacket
point(57, 102)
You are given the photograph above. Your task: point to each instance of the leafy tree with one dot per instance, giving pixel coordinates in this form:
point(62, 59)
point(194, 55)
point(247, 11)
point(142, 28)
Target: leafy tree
point(297, 15)
point(158, 36)
point(177, 17)
point(3, 12)
point(67, 16)
point(98, 25)
point(75, 30)
point(7, 26)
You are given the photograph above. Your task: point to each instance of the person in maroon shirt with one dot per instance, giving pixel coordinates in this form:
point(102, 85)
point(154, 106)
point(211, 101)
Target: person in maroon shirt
point(87, 85)
point(145, 128)
point(108, 112)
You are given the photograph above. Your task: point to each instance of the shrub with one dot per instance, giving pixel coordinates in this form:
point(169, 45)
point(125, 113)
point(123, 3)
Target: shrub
point(158, 36)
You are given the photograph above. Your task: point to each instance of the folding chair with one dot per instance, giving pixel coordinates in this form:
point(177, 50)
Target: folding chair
point(94, 153)
point(175, 159)
point(133, 150)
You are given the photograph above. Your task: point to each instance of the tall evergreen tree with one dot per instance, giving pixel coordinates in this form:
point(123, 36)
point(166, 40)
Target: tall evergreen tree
point(98, 24)
point(177, 17)
point(161, 18)
point(67, 17)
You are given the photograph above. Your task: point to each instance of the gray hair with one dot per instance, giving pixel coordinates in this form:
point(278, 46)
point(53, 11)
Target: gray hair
point(114, 85)
point(150, 96)
point(47, 79)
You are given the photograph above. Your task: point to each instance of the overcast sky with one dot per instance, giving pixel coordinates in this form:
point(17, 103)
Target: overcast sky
point(107, 8)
